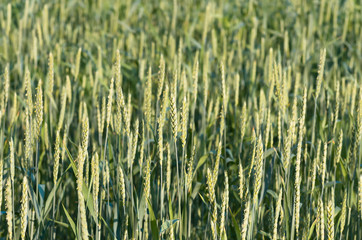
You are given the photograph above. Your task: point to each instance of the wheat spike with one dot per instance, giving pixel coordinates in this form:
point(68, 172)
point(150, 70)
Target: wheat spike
point(184, 121)
point(9, 208)
point(109, 103)
point(121, 108)
point(77, 63)
point(259, 170)
point(50, 77)
point(68, 87)
point(8, 20)
point(161, 122)
point(205, 78)
point(215, 173)
point(122, 186)
point(315, 164)
point(148, 97)
point(161, 77)
point(277, 212)
point(147, 184)
point(173, 108)
point(12, 160)
point(297, 167)
point(344, 212)
point(322, 59)
point(63, 100)
point(195, 73)
point(83, 218)
point(223, 209)
point(330, 214)
point(6, 85)
point(244, 226)
point(85, 134)
point(56, 158)
point(99, 118)
point(210, 186)
point(320, 223)
point(95, 177)
point(213, 222)
point(24, 207)
point(241, 182)
point(255, 145)
point(39, 108)
point(339, 147)
point(28, 94)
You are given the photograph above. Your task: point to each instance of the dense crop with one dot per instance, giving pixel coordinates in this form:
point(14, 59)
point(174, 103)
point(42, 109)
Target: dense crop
point(180, 119)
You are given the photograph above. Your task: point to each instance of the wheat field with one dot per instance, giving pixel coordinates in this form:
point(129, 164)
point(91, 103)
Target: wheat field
point(169, 119)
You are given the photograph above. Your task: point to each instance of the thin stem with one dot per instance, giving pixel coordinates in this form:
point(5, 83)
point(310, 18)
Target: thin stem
point(189, 227)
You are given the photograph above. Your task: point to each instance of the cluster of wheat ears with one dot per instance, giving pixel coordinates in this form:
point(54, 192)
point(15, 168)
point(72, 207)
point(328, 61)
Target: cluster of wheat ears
point(180, 119)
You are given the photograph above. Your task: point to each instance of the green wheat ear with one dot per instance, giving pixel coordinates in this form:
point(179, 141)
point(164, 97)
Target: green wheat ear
point(244, 226)
point(56, 158)
point(110, 102)
point(24, 207)
point(173, 108)
point(9, 207)
point(96, 181)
